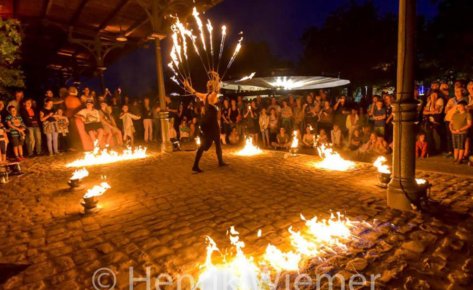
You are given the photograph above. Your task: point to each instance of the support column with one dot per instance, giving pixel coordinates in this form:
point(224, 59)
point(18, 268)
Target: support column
point(166, 145)
point(403, 189)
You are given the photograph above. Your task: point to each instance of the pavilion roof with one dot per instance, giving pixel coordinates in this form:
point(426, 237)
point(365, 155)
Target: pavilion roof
point(46, 24)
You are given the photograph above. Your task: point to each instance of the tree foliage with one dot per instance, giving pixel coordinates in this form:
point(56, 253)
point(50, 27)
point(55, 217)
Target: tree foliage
point(359, 44)
point(11, 76)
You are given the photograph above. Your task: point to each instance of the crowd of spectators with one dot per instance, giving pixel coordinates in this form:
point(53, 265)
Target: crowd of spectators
point(362, 130)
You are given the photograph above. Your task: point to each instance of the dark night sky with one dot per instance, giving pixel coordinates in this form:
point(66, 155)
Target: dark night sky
point(280, 23)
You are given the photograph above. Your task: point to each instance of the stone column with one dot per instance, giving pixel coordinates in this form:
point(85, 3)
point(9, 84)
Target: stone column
point(403, 189)
point(166, 145)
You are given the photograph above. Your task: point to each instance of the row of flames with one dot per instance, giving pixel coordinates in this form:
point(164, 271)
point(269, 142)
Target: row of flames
point(331, 160)
point(320, 238)
point(106, 156)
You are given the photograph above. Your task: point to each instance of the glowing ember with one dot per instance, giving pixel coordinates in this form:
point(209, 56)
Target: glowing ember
point(80, 174)
point(250, 149)
point(380, 164)
point(106, 156)
point(332, 160)
point(97, 190)
point(319, 239)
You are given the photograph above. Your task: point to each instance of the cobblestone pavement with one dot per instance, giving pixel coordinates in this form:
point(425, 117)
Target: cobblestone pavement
point(158, 213)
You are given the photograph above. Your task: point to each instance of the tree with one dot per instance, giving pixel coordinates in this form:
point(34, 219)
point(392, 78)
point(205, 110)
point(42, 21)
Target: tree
point(11, 76)
point(354, 42)
point(449, 41)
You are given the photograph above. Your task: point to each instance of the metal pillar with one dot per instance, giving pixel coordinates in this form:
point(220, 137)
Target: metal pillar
point(155, 19)
point(403, 189)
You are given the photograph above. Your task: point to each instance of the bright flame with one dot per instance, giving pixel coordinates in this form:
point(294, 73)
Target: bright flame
point(97, 190)
point(421, 181)
point(238, 273)
point(80, 174)
point(250, 149)
point(197, 141)
point(105, 156)
point(382, 168)
point(295, 140)
point(331, 160)
point(319, 238)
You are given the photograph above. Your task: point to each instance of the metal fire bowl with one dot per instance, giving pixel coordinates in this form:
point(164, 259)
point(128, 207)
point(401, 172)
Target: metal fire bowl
point(74, 184)
point(15, 168)
point(384, 179)
point(90, 205)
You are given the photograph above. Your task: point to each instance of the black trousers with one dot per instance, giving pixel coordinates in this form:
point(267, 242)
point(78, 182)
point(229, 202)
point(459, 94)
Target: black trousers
point(207, 141)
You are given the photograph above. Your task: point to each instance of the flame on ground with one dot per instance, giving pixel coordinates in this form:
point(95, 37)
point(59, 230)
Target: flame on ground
point(319, 238)
point(331, 160)
point(97, 190)
point(250, 149)
point(421, 181)
point(295, 140)
point(80, 174)
point(380, 164)
point(106, 156)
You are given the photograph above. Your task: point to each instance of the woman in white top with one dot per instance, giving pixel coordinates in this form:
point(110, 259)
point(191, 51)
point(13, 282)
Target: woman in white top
point(352, 123)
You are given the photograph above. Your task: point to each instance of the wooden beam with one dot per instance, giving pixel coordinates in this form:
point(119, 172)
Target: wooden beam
point(78, 12)
point(135, 26)
point(46, 8)
point(15, 5)
point(112, 14)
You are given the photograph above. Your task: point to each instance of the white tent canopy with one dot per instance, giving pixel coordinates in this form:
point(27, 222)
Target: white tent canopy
point(284, 83)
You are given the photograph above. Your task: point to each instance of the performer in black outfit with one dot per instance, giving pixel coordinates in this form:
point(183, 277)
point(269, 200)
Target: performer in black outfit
point(209, 125)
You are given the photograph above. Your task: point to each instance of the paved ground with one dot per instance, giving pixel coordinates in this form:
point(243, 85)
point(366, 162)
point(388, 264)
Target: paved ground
point(158, 213)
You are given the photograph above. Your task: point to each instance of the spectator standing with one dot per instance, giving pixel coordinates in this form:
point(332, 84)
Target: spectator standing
point(286, 116)
point(62, 123)
point(3, 142)
point(128, 128)
point(459, 126)
point(326, 117)
point(48, 118)
point(33, 131)
point(341, 112)
point(16, 102)
point(379, 117)
point(433, 121)
point(264, 127)
point(17, 132)
point(450, 110)
point(147, 115)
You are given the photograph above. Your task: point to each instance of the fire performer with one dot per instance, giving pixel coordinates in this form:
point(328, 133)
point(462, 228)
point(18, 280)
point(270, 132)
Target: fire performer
point(209, 125)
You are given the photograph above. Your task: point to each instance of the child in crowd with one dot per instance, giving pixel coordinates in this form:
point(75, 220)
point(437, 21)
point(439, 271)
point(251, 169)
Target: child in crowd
point(308, 139)
point(17, 132)
point(234, 137)
point(173, 135)
point(282, 140)
point(421, 146)
point(264, 127)
point(322, 139)
point(128, 127)
point(3, 142)
point(337, 137)
point(184, 130)
point(62, 125)
point(355, 141)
